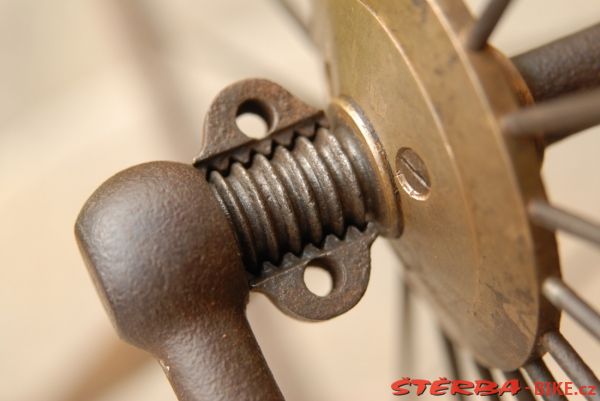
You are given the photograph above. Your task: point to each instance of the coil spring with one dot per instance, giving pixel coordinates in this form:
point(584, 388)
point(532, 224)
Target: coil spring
point(298, 196)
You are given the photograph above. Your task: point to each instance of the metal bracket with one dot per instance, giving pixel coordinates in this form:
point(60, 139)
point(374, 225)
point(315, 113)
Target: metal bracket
point(349, 263)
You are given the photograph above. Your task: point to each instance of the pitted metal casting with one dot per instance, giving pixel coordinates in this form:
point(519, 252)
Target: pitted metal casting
point(171, 285)
point(292, 198)
point(293, 188)
point(432, 139)
point(347, 260)
point(280, 204)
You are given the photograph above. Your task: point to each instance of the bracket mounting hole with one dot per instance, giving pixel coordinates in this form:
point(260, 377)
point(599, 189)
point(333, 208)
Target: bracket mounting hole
point(254, 118)
point(318, 279)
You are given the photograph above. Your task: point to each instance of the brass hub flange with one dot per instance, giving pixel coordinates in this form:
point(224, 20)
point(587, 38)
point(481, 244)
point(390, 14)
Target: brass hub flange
point(467, 243)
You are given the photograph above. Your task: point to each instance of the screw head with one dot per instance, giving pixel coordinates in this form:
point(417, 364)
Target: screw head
point(412, 174)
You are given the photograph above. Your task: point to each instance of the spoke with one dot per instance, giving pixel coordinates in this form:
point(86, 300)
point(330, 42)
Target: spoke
point(556, 118)
point(538, 373)
point(143, 39)
point(407, 341)
point(566, 65)
point(553, 218)
point(484, 26)
point(484, 373)
point(294, 12)
point(564, 298)
point(570, 361)
point(524, 394)
point(113, 362)
point(452, 358)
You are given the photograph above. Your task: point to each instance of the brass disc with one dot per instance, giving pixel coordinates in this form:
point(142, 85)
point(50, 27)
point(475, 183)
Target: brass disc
point(463, 186)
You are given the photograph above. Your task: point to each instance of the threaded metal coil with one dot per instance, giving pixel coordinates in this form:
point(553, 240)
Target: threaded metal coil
point(298, 196)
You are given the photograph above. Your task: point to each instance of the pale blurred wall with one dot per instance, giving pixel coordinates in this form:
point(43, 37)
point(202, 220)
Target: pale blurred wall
point(85, 91)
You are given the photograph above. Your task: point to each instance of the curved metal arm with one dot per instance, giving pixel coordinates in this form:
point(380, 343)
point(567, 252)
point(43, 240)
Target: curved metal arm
point(163, 257)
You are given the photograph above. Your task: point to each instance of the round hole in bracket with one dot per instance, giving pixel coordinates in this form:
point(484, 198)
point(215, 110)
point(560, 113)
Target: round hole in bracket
point(412, 174)
point(254, 118)
point(318, 278)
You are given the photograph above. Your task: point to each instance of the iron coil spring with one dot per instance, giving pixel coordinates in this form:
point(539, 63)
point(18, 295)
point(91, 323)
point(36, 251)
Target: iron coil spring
point(296, 197)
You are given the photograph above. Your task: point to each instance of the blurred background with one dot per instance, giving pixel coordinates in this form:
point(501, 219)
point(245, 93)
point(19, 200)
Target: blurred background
point(90, 87)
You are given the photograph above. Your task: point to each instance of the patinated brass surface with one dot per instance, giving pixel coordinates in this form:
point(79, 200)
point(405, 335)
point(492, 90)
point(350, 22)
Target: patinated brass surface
point(468, 245)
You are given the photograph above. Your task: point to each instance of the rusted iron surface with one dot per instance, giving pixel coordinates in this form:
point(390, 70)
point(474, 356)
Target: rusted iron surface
point(566, 65)
point(223, 142)
point(440, 129)
point(164, 258)
point(292, 196)
point(347, 260)
point(174, 249)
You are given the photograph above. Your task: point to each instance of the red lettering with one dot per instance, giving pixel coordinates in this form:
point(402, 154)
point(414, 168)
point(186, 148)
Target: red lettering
point(591, 391)
point(510, 386)
point(556, 390)
point(539, 388)
point(397, 386)
point(421, 385)
point(568, 388)
point(461, 387)
point(485, 387)
point(439, 387)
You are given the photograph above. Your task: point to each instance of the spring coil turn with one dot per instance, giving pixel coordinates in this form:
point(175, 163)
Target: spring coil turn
point(296, 197)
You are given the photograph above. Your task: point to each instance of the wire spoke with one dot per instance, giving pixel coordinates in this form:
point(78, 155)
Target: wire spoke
point(570, 361)
point(524, 394)
point(484, 373)
point(452, 358)
point(556, 118)
point(553, 218)
point(484, 27)
point(564, 298)
point(538, 373)
point(407, 341)
point(294, 13)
